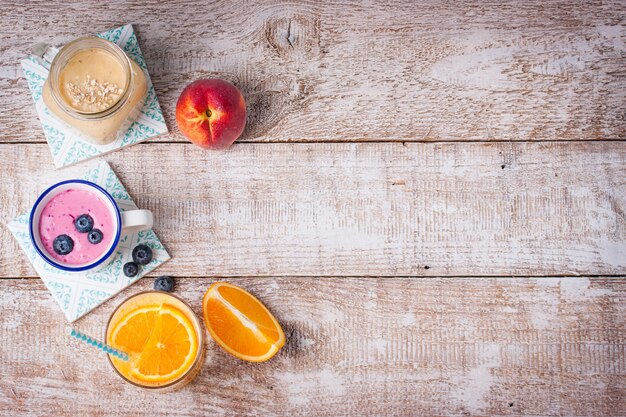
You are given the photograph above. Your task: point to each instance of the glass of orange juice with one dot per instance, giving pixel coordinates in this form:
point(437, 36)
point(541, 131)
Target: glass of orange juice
point(163, 338)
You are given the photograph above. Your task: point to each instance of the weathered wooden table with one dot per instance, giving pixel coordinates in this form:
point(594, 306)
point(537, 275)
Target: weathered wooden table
point(430, 197)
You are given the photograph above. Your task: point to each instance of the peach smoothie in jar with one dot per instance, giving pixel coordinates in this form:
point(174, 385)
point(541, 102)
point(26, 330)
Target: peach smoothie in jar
point(95, 89)
point(163, 338)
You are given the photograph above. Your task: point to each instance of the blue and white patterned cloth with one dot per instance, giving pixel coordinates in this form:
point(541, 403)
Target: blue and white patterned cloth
point(79, 293)
point(67, 148)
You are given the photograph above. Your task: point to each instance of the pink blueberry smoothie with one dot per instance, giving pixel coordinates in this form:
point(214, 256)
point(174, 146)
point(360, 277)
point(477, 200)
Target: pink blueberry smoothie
point(58, 217)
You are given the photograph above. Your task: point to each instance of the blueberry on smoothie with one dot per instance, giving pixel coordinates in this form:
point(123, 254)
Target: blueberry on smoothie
point(131, 269)
point(142, 254)
point(62, 245)
point(83, 223)
point(164, 283)
point(95, 236)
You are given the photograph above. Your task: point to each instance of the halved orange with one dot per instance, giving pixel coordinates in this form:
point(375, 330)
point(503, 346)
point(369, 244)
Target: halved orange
point(160, 340)
point(240, 323)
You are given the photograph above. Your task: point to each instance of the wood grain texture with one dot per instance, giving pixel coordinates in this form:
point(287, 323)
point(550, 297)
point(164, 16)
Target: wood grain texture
point(298, 222)
point(394, 347)
point(329, 71)
point(362, 209)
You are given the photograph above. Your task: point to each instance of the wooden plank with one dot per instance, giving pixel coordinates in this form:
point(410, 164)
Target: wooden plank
point(454, 346)
point(332, 71)
point(362, 209)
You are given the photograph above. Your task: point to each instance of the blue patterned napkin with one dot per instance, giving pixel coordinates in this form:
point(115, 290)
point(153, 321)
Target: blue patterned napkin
point(68, 149)
point(79, 293)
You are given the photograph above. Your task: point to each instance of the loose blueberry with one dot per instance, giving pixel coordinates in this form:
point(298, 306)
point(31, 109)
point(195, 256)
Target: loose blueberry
point(95, 236)
point(62, 245)
point(164, 283)
point(142, 254)
point(131, 269)
point(83, 223)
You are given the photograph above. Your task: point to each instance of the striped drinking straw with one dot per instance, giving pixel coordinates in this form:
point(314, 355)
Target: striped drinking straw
point(102, 346)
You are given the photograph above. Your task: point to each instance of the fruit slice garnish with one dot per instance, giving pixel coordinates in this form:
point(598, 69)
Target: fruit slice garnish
point(240, 323)
point(160, 340)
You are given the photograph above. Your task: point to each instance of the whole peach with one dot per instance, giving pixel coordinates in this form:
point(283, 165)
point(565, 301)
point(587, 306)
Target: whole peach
point(211, 113)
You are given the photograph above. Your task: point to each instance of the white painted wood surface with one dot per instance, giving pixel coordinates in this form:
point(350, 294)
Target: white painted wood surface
point(394, 346)
point(397, 70)
point(336, 235)
point(364, 209)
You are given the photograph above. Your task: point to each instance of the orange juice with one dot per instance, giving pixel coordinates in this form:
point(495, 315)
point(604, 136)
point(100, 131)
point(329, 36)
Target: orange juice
point(163, 338)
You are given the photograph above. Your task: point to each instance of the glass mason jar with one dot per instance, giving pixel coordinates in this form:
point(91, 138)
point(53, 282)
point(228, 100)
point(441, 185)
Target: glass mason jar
point(93, 87)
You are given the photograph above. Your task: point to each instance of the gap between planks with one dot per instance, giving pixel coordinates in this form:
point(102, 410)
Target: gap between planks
point(359, 140)
point(385, 277)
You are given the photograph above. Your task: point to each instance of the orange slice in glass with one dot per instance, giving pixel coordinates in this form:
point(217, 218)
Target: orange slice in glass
point(240, 323)
point(160, 340)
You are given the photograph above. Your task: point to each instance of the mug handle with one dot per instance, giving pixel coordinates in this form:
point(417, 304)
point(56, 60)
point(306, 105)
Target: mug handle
point(136, 220)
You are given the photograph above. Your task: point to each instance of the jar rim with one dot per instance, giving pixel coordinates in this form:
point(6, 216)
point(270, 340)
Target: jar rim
point(66, 53)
